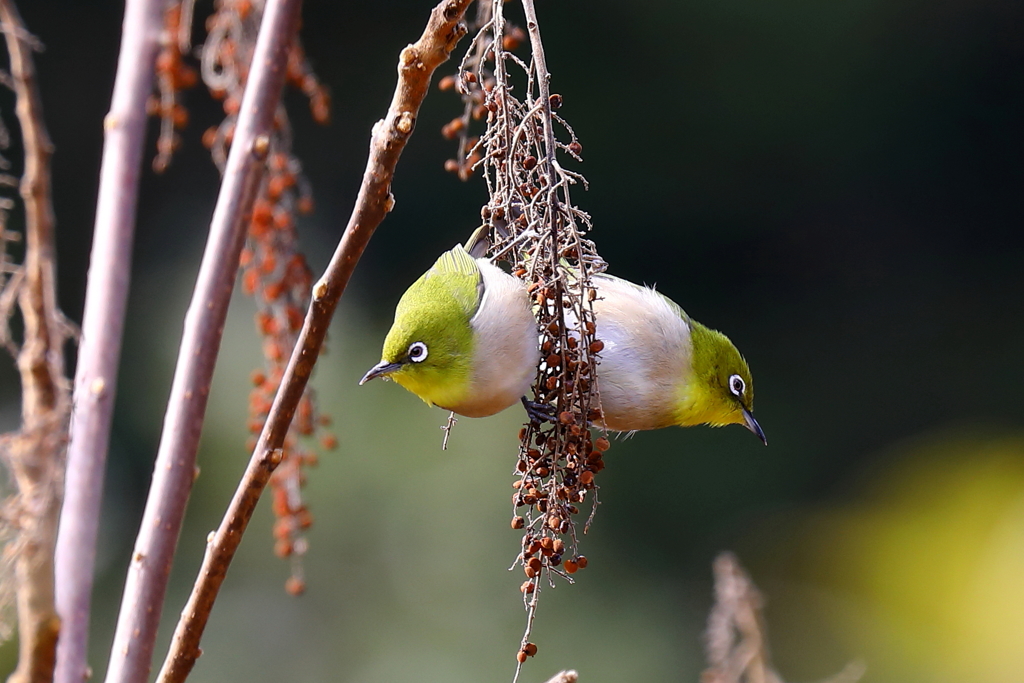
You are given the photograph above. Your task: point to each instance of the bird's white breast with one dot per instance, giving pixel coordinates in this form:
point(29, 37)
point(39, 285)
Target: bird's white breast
point(505, 344)
point(646, 357)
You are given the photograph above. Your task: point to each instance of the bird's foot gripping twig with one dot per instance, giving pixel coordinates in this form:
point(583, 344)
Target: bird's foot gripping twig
point(538, 412)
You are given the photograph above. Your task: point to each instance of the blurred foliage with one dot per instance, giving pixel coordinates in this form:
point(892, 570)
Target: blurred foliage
point(917, 566)
point(836, 185)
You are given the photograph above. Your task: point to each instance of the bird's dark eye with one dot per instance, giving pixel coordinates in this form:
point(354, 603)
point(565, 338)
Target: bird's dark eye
point(417, 352)
point(737, 385)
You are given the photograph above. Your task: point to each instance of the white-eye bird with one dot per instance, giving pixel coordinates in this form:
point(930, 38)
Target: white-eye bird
point(464, 337)
point(659, 367)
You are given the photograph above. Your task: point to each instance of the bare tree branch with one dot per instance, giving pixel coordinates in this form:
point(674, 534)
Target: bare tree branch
point(34, 454)
point(103, 322)
point(416, 65)
point(145, 587)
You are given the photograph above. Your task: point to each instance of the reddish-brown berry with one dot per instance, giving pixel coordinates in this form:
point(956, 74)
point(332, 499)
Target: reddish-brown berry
point(295, 586)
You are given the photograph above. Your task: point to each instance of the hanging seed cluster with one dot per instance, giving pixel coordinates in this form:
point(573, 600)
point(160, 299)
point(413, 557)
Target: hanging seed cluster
point(537, 229)
point(273, 269)
point(173, 75)
point(478, 71)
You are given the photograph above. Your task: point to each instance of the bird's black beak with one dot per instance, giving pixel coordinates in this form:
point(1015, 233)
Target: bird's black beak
point(382, 368)
point(750, 423)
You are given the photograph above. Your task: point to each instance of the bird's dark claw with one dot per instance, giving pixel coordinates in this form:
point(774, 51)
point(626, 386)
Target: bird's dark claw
point(539, 412)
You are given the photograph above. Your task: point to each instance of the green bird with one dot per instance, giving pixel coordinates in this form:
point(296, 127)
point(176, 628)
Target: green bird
point(659, 367)
point(465, 339)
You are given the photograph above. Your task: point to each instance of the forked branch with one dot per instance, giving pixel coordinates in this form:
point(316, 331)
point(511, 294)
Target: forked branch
point(416, 65)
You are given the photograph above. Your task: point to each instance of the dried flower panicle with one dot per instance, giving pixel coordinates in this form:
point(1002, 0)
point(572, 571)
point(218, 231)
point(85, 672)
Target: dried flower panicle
point(273, 269)
point(172, 76)
point(537, 229)
point(477, 79)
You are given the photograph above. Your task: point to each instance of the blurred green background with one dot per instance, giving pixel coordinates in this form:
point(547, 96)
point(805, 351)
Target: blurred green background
point(837, 185)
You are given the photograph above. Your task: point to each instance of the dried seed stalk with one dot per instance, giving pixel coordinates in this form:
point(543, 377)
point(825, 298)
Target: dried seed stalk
point(736, 642)
point(535, 226)
point(34, 456)
point(273, 268)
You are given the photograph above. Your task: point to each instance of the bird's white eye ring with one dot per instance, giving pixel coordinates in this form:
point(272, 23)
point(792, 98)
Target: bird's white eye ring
point(417, 352)
point(737, 385)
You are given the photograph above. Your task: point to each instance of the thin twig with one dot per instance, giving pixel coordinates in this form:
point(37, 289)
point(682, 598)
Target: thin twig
point(34, 454)
point(9, 297)
point(447, 429)
point(531, 614)
point(131, 653)
point(417, 63)
point(544, 90)
point(105, 299)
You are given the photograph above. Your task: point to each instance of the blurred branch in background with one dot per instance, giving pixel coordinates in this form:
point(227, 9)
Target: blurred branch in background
point(106, 297)
point(174, 470)
point(34, 454)
point(416, 66)
point(736, 640)
point(273, 268)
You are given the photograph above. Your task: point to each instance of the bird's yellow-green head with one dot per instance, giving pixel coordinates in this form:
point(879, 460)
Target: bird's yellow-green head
point(429, 349)
point(720, 391)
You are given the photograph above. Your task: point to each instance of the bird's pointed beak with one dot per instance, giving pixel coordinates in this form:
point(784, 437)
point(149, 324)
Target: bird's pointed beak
point(381, 368)
point(750, 423)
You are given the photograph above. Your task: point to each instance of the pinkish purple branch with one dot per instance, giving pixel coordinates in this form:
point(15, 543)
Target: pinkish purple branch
point(416, 65)
point(146, 584)
point(100, 348)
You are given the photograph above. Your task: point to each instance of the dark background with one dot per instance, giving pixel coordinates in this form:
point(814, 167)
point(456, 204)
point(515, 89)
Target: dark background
point(837, 186)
